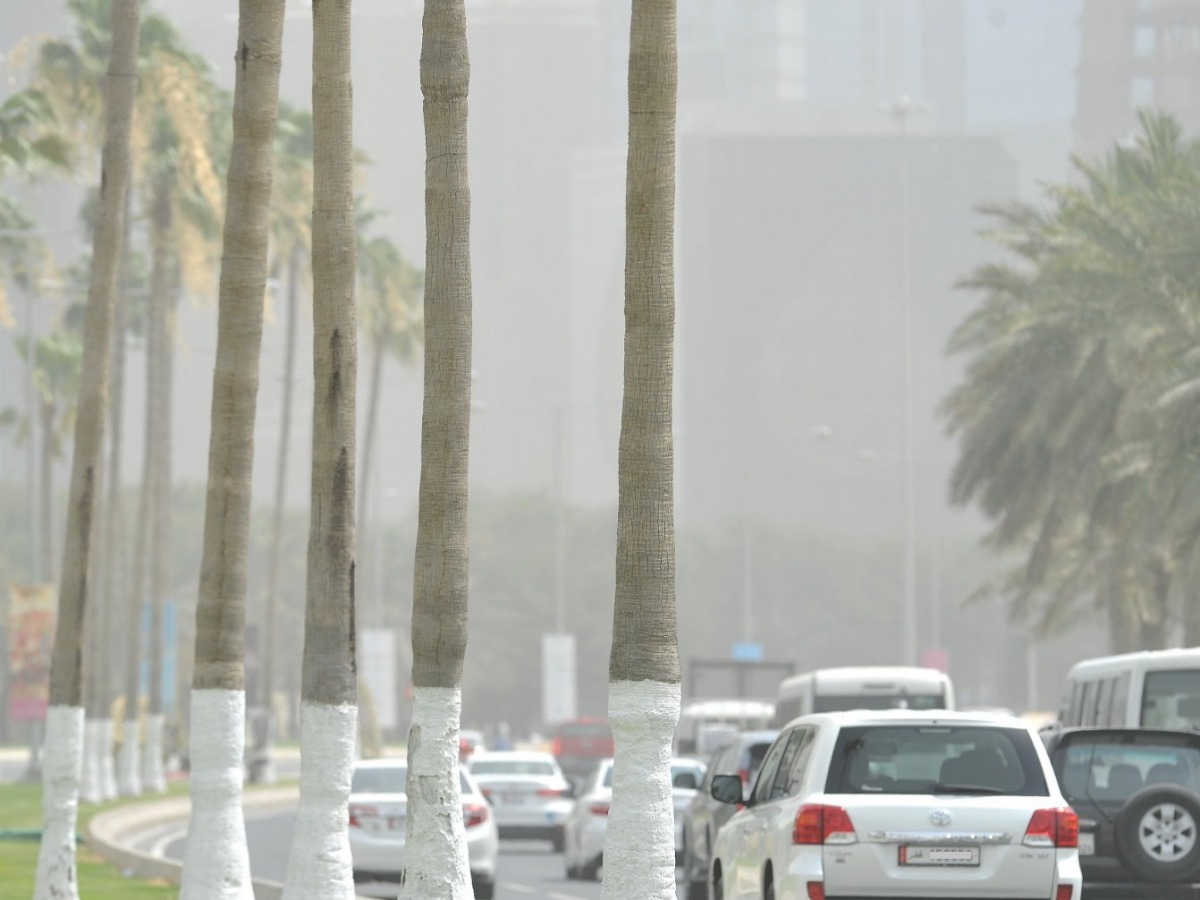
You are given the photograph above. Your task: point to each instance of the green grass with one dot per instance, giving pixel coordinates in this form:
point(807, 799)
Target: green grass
point(21, 812)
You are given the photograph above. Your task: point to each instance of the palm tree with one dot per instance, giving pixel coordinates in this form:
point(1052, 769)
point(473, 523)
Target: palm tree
point(64, 720)
point(390, 319)
point(292, 211)
point(217, 862)
point(643, 669)
point(1074, 385)
point(436, 856)
point(319, 863)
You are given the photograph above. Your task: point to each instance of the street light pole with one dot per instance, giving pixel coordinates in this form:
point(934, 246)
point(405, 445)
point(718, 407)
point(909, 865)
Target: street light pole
point(902, 108)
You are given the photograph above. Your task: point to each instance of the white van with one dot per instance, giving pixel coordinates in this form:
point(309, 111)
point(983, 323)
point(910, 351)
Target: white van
point(862, 687)
point(1151, 688)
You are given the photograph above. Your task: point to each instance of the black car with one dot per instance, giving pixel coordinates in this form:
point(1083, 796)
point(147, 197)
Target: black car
point(704, 817)
point(1137, 794)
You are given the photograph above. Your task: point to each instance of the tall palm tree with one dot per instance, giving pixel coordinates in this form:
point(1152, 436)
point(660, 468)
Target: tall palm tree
point(390, 319)
point(291, 230)
point(643, 669)
point(436, 856)
point(64, 720)
point(319, 864)
point(217, 862)
point(1076, 373)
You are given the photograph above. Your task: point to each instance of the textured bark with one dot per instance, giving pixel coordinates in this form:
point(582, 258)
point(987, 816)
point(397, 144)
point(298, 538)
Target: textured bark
point(644, 662)
point(439, 619)
point(329, 674)
point(645, 643)
point(56, 861)
point(319, 864)
point(221, 606)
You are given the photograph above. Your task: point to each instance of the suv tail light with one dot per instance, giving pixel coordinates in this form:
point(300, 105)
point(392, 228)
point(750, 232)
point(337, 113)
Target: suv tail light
point(359, 812)
point(551, 792)
point(1054, 827)
point(598, 809)
point(474, 814)
point(818, 823)
point(816, 890)
point(1063, 892)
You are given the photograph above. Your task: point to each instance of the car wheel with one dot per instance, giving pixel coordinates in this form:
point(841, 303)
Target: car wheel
point(1158, 833)
point(484, 888)
point(769, 891)
point(573, 873)
point(718, 889)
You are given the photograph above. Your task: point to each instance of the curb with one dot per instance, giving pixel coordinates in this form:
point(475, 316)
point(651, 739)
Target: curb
point(108, 833)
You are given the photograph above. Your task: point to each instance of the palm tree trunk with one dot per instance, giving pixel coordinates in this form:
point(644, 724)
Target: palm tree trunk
point(265, 772)
point(114, 532)
point(436, 859)
point(319, 865)
point(364, 474)
point(639, 856)
point(64, 721)
point(159, 412)
point(46, 415)
point(216, 864)
point(129, 774)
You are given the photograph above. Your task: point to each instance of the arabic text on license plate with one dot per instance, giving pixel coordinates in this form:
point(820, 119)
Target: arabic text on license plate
point(1087, 843)
point(939, 856)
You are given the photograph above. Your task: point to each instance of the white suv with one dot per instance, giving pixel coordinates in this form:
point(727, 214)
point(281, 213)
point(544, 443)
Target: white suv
point(898, 803)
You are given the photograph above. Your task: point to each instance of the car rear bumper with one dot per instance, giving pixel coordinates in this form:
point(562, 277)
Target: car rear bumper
point(1133, 890)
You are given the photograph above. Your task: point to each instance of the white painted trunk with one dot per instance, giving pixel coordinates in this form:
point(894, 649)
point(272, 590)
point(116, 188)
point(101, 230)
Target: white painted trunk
point(639, 844)
point(89, 779)
point(62, 760)
point(129, 778)
point(108, 767)
point(216, 865)
point(320, 866)
point(436, 866)
point(154, 777)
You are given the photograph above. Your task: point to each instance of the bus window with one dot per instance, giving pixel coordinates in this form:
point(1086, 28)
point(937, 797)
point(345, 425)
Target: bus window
point(1170, 698)
point(1104, 701)
point(1120, 701)
point(1087, 713)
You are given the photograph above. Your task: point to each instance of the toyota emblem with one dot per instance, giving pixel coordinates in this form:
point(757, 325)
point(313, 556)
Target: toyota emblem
point(940, 817)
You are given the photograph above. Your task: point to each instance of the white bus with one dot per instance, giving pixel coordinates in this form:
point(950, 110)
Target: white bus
point(1152, 688)
point(863, 687)
point(706, 725)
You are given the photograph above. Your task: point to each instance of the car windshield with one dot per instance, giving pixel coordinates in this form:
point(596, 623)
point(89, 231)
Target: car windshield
point(1107, 770)
point(512, 767)
point(390, 780)
point(952, 759)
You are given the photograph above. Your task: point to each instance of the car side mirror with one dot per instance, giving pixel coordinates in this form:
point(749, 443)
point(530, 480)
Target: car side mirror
point(727, 788)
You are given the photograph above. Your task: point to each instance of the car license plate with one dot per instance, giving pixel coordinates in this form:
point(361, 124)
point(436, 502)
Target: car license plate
point(939, 856)
point(514, 799)
point(1087, 843)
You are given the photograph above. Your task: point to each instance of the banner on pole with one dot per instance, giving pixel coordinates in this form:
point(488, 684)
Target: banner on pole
point(31, 612)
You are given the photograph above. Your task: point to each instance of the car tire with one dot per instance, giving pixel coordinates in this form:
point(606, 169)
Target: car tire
point(1158, 833)
point(484, 888)
point(718, 889)
point(573, 873)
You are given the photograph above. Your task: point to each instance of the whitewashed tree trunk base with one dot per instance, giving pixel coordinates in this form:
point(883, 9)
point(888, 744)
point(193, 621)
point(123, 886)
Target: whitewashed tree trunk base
point(129, 777)
point(319, 865)
point(108, 767)
point(216, 865)
point(62, 760)
point(154, 778)
point(639, 844)
point(436, 866)
point(89, 779)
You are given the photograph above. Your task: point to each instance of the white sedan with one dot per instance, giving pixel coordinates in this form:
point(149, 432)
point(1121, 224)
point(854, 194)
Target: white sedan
point(586, 825)
point(529, 794)
point(899, 804)
point(378, 813)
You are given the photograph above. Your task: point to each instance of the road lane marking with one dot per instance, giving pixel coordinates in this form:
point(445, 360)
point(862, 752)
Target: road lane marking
point(519, 888)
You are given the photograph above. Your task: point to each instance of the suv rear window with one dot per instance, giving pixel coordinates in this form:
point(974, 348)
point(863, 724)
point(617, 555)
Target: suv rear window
point(941, 759)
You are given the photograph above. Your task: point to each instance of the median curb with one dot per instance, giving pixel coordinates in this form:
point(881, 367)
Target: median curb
point(110, 833)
